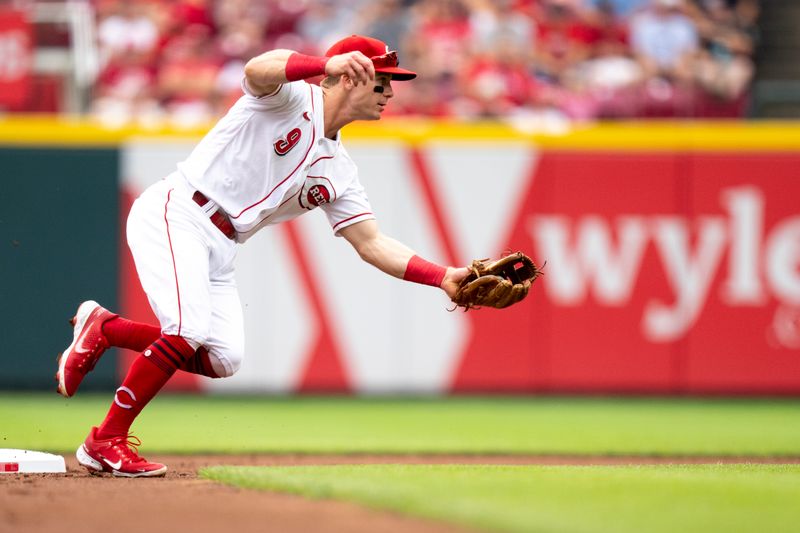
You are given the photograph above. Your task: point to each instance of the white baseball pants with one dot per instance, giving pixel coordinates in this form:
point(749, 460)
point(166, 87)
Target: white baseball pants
point(185, 266)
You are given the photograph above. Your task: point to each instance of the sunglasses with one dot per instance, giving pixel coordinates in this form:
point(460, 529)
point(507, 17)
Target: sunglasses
point(386, 60)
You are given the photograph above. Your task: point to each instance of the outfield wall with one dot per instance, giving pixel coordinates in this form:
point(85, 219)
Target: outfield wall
point(673, 261)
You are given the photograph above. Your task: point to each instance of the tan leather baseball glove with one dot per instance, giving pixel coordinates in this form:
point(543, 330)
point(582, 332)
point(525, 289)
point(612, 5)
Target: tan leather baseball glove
point(497, 283)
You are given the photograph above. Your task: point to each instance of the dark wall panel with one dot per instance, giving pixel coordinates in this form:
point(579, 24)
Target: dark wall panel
point(59, 239)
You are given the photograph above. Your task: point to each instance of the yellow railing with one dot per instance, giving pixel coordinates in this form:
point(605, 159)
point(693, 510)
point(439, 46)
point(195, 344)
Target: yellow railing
point(645, 135)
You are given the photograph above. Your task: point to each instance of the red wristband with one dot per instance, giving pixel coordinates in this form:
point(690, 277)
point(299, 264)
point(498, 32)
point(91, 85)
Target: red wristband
point(301, 67)
point(420, 271)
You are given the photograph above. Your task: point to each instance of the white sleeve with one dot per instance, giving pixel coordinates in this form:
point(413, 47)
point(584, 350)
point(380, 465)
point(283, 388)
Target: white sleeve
point(350, 207)
point(288, 94)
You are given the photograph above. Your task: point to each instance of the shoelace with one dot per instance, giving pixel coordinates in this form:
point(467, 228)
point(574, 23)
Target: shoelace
point(127, 448)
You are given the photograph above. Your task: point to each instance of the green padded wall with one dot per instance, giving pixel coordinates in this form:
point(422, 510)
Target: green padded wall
point(59, 242)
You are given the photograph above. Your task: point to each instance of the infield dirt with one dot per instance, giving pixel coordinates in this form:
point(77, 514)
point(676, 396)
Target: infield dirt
point(182, 501)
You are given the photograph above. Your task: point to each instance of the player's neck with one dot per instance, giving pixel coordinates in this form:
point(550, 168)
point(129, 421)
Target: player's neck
point(336, 113)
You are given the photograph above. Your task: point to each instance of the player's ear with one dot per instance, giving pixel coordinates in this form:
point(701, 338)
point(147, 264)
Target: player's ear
point(347, 82)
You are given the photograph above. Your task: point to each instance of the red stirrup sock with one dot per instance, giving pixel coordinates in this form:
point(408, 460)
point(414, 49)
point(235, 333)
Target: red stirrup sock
point(301, 67)
point(200, 363)
point(147, 375)
point(420, 271)
point(125, 333)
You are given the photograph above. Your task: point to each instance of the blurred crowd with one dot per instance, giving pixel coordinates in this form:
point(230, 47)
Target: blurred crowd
point(182, 60)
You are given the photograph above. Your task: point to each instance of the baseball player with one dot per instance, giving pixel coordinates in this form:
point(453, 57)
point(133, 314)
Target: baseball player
point(276, 155)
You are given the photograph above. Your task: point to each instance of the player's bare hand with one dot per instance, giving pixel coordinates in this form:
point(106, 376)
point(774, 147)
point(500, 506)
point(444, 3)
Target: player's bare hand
point(356, 65)
point(452, 278)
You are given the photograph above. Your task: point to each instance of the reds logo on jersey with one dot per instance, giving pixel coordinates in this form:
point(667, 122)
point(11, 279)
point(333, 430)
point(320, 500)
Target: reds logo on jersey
point(283, 145)
point(318, 195)
point(317, 190)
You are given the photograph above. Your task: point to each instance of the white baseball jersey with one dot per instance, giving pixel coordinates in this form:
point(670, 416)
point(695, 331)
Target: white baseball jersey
point(265, 162)
point(268, 161)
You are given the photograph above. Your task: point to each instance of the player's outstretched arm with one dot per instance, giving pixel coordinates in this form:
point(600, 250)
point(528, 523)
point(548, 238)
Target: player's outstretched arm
point(266, 72)
point(398, 260)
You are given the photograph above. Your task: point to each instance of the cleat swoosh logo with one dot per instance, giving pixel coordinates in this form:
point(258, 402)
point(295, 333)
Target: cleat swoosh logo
point(115, 466)
point(80, 349)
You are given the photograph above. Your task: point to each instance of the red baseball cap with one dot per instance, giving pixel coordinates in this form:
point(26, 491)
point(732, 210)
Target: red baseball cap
point(385, 60)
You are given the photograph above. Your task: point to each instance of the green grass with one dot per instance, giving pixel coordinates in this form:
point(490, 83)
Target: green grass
point(519, 425)
point(726, 498)
point(709, 498)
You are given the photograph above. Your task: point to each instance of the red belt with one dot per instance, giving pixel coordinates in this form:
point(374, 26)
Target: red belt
point(218, 217)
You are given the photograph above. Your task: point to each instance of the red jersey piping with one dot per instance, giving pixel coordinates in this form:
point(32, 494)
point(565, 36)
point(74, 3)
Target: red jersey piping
point(350, 218)
point(310, 146)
